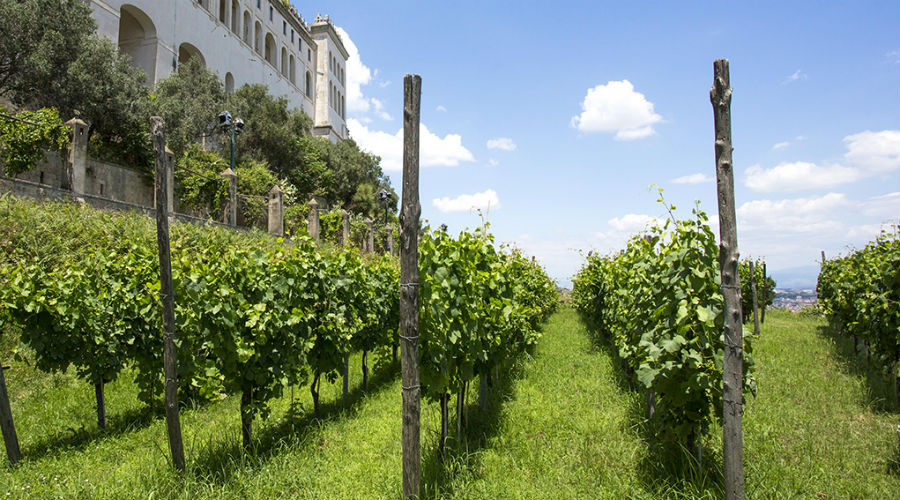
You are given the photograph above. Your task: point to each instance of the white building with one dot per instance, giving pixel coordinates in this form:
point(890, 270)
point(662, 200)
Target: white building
point(244, 41)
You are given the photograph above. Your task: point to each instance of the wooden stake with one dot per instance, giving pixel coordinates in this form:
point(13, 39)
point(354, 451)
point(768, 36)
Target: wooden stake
point(755, 303)
point(733, 440)
point(6, 424)
point(765, 297)
point(170, 357)
point(445, 416)
point(345, 374)
point(101, 405)
point(246, 418)
point(409, 286)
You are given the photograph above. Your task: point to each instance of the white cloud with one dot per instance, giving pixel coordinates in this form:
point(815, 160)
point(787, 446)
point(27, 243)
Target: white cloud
point(486, 200)
point(693, 179)
point(797, 75)
point(630, 223)
point(358, 75)
point(493, 163)
point(798, 176)
point(781, 145)
point(434, 150)
point(504, 143)
point(868, 153)
point(441, 108)
point(875, 152)
point(883, 207)
point(616, 107)
point(797, 215)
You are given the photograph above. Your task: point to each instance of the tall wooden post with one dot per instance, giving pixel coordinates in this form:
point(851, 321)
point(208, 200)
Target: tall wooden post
point(6, 424)
point(170, 357)
point(409, 286)
point(765, 295)
point(755, 303)
point(732, 397)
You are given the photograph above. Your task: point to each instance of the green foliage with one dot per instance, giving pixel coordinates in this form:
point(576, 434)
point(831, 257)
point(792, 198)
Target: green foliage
point(254, 314)
point(50, 56)
point(860, 294)
point(272, 132)
point(189, 101)
point(659, 303)
point(207, 191)
point(22, 143)
point(765, 292)
point(254, 181)
point(478, 308)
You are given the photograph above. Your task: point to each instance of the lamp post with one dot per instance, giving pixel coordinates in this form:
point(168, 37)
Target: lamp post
point(236, 126)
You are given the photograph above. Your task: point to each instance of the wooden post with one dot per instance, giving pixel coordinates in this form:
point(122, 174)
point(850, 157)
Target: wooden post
point(246, 418)
point(409, 286)
point(765, 295)
point(345, 374)
point(10, 438)
point(755, 303)
point(101, 405)
point(732, 397)
point(170, 357)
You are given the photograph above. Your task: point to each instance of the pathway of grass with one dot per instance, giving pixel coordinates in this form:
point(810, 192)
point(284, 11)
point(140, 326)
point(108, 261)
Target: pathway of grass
point(561, 424)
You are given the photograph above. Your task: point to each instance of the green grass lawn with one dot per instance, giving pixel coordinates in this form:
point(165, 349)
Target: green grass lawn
point(562, 423)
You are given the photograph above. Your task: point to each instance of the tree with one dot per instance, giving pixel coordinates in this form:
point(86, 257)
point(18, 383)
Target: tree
point(50, 56)
point(38, 40)
point(188, 101)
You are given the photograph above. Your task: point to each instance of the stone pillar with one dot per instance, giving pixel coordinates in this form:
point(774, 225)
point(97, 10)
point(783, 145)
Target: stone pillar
point(77, 167)
point(170, 183)
point(370, 238)
point(313, 225)
point(345, 228)
point(276, 211)
point(230, 215)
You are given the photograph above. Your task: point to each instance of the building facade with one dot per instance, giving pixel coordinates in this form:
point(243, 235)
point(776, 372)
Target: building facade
point(244, 42)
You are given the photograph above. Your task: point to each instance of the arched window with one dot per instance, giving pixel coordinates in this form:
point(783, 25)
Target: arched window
point(235, 17)
point(222, 12)
point(284, 62)
point(331, 96)
point(186, 51)
point(137, 38)
point(342, 106)
point(271, 55)
point(229, 82)
point(293, 70)
point(308, 85)
point(247, 27)
point(257, 38)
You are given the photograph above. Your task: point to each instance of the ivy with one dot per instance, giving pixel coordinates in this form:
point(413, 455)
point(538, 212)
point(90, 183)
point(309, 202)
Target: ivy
point(25, 137)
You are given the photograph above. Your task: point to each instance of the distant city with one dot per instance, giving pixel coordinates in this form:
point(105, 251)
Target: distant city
point(793, 299)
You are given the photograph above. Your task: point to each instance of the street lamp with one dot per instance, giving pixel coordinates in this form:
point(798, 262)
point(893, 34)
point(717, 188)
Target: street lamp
point(384, 196)
point(236, 126)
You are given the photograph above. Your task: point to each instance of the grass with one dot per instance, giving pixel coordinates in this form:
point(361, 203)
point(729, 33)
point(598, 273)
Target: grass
point(561, 423)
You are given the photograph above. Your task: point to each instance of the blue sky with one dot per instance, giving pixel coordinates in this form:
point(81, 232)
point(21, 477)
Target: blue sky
point(562, 115)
